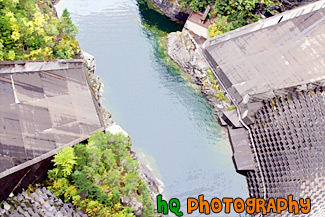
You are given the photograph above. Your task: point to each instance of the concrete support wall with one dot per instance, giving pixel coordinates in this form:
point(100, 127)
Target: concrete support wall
point(19, 180)
point(197, 29)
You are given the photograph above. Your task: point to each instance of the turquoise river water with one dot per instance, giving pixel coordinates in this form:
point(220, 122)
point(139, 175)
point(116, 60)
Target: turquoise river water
point(170, 123)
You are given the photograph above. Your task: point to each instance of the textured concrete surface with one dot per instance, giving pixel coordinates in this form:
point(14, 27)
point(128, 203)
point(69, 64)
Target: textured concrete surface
point(40, 203)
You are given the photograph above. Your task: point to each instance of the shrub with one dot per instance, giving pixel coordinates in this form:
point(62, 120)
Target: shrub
point(220, 26)
point(64, 162)
point(232, 107)
point(220, 95)
point(98, 175)
point(228, 14)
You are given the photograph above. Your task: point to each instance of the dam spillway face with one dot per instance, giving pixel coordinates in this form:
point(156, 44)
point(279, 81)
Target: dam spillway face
point(289, 138)
point(274, 72)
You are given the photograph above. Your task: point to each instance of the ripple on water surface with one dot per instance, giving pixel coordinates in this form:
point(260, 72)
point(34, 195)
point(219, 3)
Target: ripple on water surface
point(169, 122)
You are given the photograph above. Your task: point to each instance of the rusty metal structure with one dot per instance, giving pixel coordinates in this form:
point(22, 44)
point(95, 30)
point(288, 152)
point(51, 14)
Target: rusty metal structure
point(44, 106)
point(274, 72)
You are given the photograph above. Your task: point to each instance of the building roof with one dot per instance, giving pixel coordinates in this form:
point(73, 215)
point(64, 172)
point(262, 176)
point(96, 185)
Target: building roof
point(272, 57)
point(197, 19)
point(274, 71)
point(242, 156)
point(289, 134)
point(43, 106)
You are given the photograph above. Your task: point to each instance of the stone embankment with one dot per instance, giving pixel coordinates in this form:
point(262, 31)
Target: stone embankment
point(98, 88)
point(185, 53)
point(41, 202)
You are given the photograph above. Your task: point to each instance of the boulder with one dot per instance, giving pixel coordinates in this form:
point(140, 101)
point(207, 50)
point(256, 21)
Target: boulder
point(6, 206)
point(137, 206)
point(182, 50)
point(89, 61)
point(114, 128)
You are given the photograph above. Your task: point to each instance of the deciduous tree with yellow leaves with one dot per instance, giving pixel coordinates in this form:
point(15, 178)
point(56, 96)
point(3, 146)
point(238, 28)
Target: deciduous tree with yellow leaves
point(30, 30)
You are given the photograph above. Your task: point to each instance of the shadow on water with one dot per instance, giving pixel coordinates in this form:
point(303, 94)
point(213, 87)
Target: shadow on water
point(155, 27)
point(154, 20)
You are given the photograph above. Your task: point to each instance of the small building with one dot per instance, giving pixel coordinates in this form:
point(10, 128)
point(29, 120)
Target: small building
point(198, 25)
point(44, 106)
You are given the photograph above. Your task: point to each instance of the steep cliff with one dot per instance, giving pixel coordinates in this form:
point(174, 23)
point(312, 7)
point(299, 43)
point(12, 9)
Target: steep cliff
point(171, 9)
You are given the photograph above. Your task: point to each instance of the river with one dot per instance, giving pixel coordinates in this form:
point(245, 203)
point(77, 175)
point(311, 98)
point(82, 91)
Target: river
point(170, 122)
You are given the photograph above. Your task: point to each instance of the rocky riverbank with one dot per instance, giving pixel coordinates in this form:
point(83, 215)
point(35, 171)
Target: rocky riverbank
point(156, 186)
point(182, 50)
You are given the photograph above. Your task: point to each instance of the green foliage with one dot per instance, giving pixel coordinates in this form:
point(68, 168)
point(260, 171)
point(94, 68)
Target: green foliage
point(80, 150)
point(232, 107)
point(103, 173)
point(220, 95)
point(236, 13)
point(30, 30)
point(65, 161)
point(59, 186)
point(270, 2)
point(220, 26)
point(195, 5)
point(227, 14)
point(93, 207)
point(29, 190)
point(70, 192)
point(211, 77)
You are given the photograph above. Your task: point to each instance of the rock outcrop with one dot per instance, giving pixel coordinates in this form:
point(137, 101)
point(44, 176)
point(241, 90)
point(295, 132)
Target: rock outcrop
point(171, 9)
point(184, 52)
point(156, 186)
point(95, 82)
point(97, 86)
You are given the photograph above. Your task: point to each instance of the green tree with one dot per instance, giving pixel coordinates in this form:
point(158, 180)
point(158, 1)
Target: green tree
point(30, 30)
point(96, 176)
point(64, 161)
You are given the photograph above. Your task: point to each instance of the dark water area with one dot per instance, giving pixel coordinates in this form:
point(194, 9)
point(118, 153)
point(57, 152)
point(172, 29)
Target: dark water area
point(156, 20)
point(171, 124)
